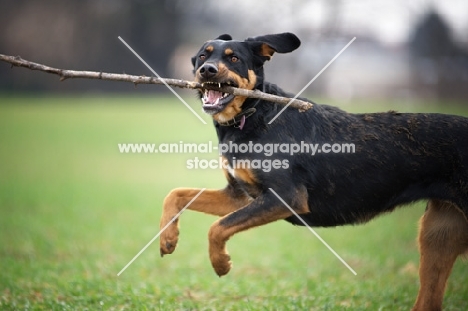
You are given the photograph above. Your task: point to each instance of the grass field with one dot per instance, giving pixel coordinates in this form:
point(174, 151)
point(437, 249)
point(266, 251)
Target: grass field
point(74, 212)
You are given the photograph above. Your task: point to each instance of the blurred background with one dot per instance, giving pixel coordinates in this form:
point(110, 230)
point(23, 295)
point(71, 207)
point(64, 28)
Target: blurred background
point(404, 49)
point(74, 211)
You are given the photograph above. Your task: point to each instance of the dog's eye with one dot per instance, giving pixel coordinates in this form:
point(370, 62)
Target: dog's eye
point(234, 59)
point(202, 56)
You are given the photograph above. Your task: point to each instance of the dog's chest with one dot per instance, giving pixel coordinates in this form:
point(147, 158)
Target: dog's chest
point(244, 176)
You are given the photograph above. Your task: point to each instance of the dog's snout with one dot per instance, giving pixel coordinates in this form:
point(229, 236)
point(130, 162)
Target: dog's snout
point(208, 70)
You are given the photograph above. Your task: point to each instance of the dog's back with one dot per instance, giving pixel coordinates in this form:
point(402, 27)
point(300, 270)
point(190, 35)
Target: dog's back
point(397, 158)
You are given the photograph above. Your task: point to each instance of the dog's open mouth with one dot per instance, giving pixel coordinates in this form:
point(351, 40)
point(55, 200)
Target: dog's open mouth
point(216, 101)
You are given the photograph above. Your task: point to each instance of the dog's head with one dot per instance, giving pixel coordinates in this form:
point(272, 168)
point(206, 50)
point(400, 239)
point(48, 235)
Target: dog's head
point(224, 61)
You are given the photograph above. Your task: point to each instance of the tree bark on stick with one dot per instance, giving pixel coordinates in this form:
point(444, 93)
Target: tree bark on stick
point(75, 74)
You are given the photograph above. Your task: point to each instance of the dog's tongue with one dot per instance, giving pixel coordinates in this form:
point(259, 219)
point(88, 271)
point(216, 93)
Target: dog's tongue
point(212, 97)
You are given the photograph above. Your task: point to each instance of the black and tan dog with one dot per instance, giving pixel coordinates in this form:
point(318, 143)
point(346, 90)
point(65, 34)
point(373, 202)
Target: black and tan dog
point(399, 158)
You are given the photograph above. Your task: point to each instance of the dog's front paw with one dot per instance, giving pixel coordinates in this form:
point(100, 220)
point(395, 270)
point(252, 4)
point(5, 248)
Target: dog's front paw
point(169, 237)
point(221, 263)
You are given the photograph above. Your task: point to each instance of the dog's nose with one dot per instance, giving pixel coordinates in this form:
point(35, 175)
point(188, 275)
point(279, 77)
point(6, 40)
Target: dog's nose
point(208, 70)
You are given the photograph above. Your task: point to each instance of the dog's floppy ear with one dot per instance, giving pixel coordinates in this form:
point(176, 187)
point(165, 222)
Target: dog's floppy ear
point(266, 46)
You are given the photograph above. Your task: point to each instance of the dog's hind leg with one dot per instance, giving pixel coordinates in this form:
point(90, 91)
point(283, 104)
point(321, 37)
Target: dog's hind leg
point(443, 236)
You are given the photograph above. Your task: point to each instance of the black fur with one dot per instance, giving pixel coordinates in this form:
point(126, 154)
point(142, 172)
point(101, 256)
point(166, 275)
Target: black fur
point(399, 158)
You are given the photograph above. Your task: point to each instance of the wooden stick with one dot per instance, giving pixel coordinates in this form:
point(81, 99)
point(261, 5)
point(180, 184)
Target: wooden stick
point(74, 74)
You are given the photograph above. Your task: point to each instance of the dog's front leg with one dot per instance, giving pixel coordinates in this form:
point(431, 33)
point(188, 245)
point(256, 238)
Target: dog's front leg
point(264, 209)
point(214, 202)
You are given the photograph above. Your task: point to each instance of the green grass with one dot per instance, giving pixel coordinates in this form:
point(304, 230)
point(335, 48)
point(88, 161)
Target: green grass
point(74, 212)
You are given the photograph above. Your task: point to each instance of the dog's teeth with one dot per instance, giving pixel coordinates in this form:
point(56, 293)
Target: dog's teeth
point(219, 85)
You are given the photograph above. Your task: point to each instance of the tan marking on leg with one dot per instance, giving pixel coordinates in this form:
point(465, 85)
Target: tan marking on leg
point(214, 202)
point(219, 235)
point(255, 214)
point(443, 236)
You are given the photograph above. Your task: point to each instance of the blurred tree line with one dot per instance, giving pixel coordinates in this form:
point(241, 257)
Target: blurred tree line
point(82, 35)
point(440, 65)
